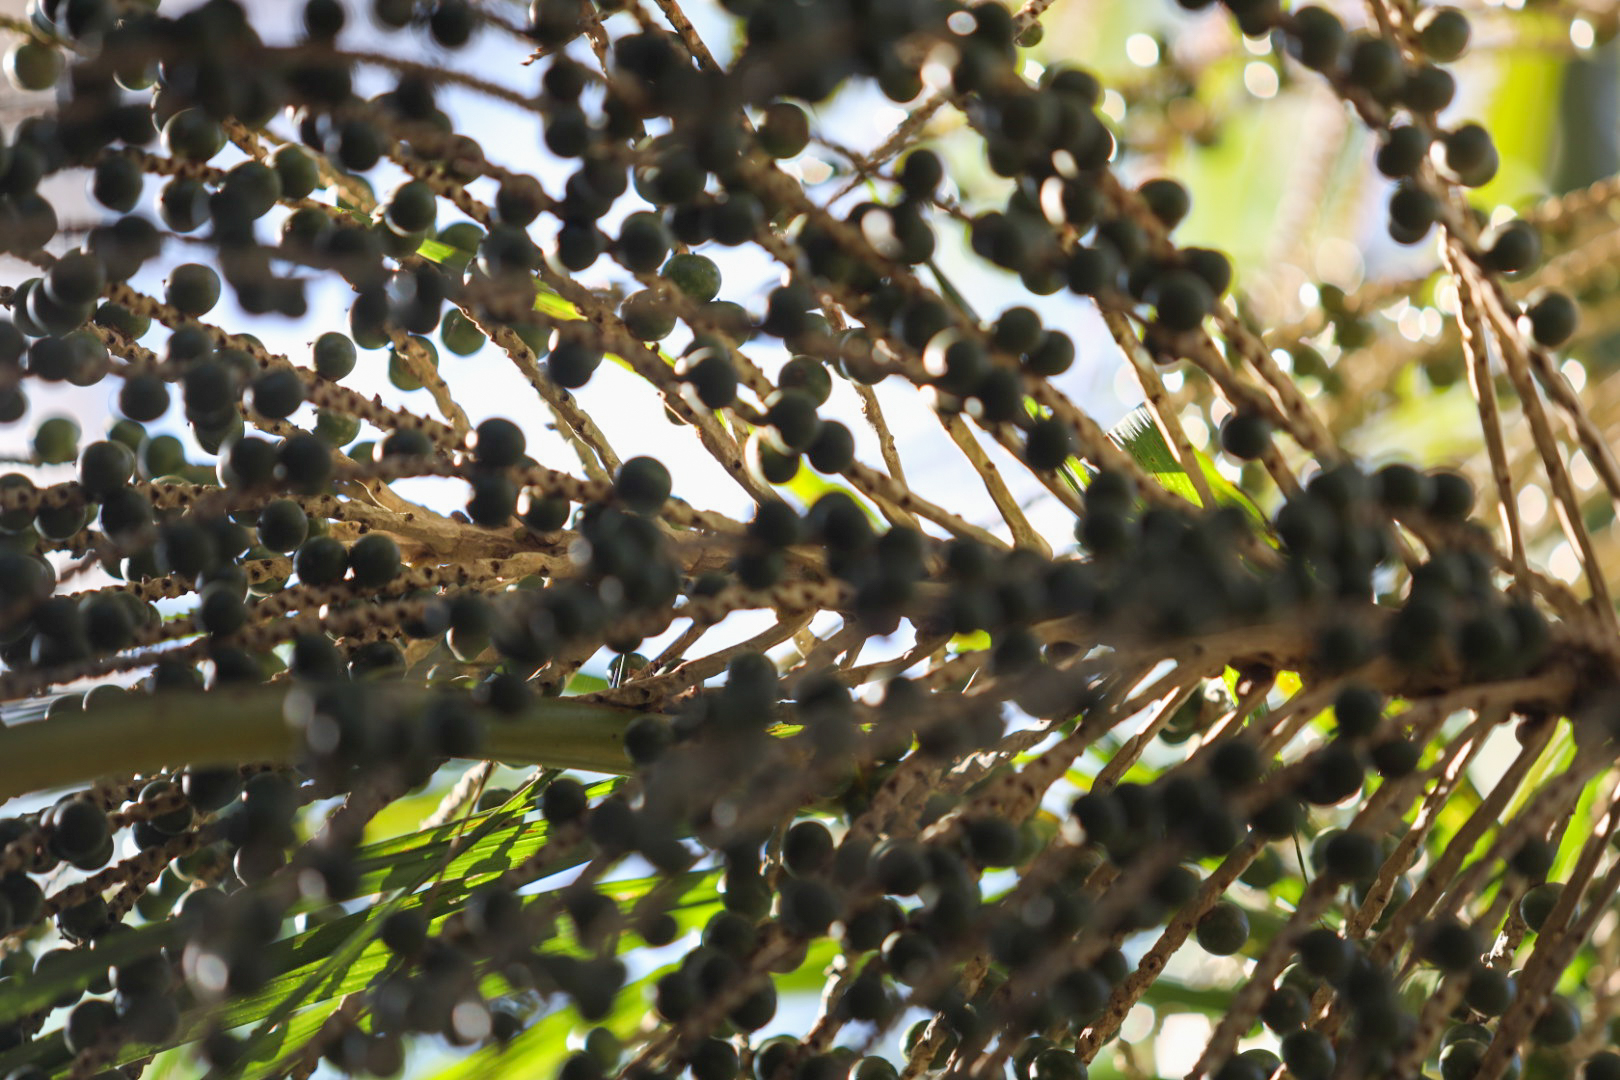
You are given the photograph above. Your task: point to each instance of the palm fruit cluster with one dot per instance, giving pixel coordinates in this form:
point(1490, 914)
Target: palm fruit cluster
point(1191, 727)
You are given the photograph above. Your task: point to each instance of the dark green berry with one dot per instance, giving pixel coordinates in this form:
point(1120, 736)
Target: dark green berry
point(1319, 37)
point(1490, 991)
point(1048, 444)
point(1537, 904)
point(1470, 155)
point(712, 376)
point(1451, 496)
point(572, 363)
point(696, 276)
point(334, 355)
point(282, 525)
point(374, 559)
point(1308, 1054)
point(1223, 930)
point(1512, 247)
point(1553, 318)
point(278, 393)
point(304, 464)
point(33, 65)
point(143, 397)
point(1443, 33)
point(1558, 1024)
point(193, 288)
point(1603, 1065)
point(498, 443)
point(1245, 436)
point(1449, 945)
point(1181, 300)
point(321, 560)
point(643, 484)
point(1285, 1010)
point(1052, 356)
point(105, 466)
point(784, 131)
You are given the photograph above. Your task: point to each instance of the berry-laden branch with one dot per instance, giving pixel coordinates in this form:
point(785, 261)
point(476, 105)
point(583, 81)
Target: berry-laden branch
point(894, 734)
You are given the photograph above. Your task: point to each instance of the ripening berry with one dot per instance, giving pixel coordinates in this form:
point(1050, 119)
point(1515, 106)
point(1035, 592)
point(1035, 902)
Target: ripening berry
point(1245, 436)
point(1449, 945)
point(33, 65)
point(492, 500)
point(1405, 147)
point(1603, 1065)
point(277, 394)
point(572, 363)
point(1470, 155)
point(1181, 300)
point(1460, 1060)
point(784, 131)
point(143, 398)
point(648, 316)
point(792, 414)
point(1223, 930)
point(1309, 1054)
point(105, 466)
point(544, 514)
point(56, 440)
point(296, 170)
point(1490, 991)
point(1451, 496)
point(833, 449)
point(808, 375)
point(1374, 65)
point(75, 278)
point(304, 464)
point(1553, 318)
point(1537, 904)
point(1412, 213)
point(921, 173)
point(1512, 247)
point(1558, 1024)
point(1052, 356)
point(320, 560)
point(191, 134)
point(1325, 954)
point(87, 1022)
point(193, 288)
point(77, 827)
point(1319, 37)
point(1443, 33)
point(643, 243)
point(220, 609)
point(374, 559)
point(696, 276)
point(643, 484)
point(1428, 89)
point(1048, 444)
point(712, 377)
point(411, 208)
point(498, 443)
point(1285, 1010)
point(1168, 200)
point(323, 19)
point(1351, 856)
point(1357, 711)
point(1401, 487)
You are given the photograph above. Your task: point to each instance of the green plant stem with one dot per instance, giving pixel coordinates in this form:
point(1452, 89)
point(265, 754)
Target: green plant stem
point(146, 732)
